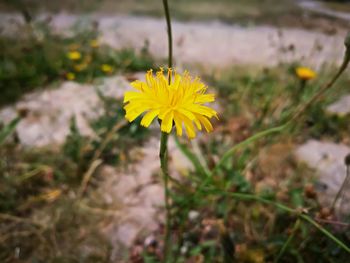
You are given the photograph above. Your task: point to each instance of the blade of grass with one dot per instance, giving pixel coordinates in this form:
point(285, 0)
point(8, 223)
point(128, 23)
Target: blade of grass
point(252, 197)
point(246, 142)
point(8, 129)
point(191, 157)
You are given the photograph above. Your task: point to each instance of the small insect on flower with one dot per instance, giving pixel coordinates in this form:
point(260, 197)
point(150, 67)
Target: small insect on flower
point(106, 68)
point(74, 55)
point(304, 73)
point(181, 102)
point(70, 76)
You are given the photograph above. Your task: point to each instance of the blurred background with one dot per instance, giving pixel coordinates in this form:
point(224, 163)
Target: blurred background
point(80, 184)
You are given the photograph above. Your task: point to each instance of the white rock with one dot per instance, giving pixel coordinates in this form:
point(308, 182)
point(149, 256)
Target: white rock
point(213, 43)
point(50, 111)
point(327, 159)
point(138, 193)
point(340, 107)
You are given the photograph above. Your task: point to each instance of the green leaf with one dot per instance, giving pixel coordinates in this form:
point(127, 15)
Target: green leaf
point(8, 129)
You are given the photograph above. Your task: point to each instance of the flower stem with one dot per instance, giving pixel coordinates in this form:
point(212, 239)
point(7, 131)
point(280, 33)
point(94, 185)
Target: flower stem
point(294, 117)
point(252, 197)
point(290, 238)
point(170, 37)
point(246, 142)
point(325, 88)
point(163, 155)
point(163, 152)
point(341, 189)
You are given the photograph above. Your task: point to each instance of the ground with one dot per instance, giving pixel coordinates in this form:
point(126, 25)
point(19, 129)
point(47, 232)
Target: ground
point(84, 184)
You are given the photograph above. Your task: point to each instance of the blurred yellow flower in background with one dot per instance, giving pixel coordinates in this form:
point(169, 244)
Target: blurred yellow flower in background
point(94, 43)
point(74, 55)
point(70, 76)
point(74, 46)
point(52, 195)
point(305, 73)
point(80, 67)
point(106, 68)
point(180, 102)
point(87, 59)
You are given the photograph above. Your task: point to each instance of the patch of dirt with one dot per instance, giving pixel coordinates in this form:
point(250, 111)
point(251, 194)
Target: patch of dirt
point(212, 43)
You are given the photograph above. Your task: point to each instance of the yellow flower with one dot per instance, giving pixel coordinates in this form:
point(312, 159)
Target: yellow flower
point(305, 73)
point(106, 68)
point(94, 43)
point(70, 76)
point(74, 55)
point(74, 46)
point(80, 67)
point(87, 59)
point(181, 102)
point(52, 195)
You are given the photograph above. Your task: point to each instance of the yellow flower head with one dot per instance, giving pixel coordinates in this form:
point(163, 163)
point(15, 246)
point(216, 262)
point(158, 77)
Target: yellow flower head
point(80, 67)
point(94, 43)
point(106, 68)
point(305, 73)
point(70, 76)
point(74, 55)
point(180, 102)
point(74, 46)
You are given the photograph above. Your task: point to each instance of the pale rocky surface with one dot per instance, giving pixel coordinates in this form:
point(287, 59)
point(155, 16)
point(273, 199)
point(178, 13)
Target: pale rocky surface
point(340, 107)
point(212, 43)
point(327, 159)
point(321, 8)
point(138, 193)
point(49, 112)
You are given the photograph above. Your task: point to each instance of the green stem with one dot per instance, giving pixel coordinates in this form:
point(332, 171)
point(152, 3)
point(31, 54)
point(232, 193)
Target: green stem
point(298, 112)
point(163, 155)
point(170, 37)
point(290, 238)
point(325, 88)
point(246, 142)
point(251, 197)
point(192, 157)
point(326, 232)
point(299, 91)
point(341, 189)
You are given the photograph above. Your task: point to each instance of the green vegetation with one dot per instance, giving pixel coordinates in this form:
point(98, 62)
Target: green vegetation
point(40, 58)
point(265, 97)
point(244, 210)
point(49, 212)
point(247, 200)
point(45, 185)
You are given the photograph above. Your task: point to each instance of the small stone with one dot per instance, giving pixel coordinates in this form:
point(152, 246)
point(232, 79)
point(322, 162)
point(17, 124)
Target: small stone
point(150, 241)
point(193, 215)
point(184, 249)
point(309, 191)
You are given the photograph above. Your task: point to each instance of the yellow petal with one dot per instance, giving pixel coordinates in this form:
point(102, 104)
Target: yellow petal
point(149, 117)
point(189, 127)
point(206, 123)
point(178, 124)
point(167, 122)
point(130, 95)
point(205, 98)
point(137, 85)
